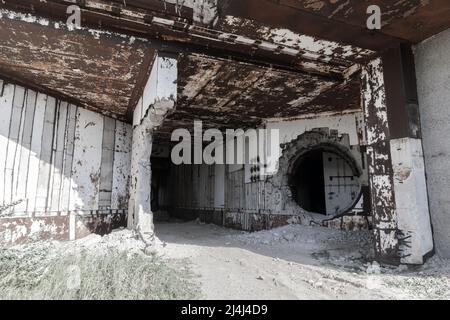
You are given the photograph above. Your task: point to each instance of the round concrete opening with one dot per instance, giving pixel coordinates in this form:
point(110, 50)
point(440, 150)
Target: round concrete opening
point(324, 182)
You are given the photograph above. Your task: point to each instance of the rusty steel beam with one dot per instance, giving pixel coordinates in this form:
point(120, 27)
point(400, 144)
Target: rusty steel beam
point(180, 36)
point(401, 93)
point(9, 77)
point(397, 179)
point(276, 14)
point(410, 20)
point(167, 9)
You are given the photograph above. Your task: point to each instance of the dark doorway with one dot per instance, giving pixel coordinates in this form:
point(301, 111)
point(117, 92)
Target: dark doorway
point(308, 182)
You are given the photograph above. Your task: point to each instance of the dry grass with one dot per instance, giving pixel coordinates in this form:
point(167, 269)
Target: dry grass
point(42, 271)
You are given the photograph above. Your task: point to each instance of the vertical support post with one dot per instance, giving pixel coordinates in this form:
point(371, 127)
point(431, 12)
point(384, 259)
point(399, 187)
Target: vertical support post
point(157, 100)
point(399, 200)
point(140, 213)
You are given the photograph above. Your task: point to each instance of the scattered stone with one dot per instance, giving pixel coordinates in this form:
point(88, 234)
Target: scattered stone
point(373, 268)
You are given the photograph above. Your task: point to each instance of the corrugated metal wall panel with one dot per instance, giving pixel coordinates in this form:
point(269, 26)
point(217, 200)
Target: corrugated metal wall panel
point(56, 157)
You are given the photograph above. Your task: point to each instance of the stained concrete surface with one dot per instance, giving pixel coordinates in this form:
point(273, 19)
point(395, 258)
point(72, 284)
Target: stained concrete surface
point(433, 84)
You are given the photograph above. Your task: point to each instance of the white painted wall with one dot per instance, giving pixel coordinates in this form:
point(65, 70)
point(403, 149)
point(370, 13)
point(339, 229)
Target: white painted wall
point(57, 157)
point(344, 123)
point(433, 84)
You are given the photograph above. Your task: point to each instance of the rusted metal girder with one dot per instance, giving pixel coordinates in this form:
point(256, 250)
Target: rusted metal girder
point(399, 200)
point(305, 22)
point(171, 29)
point(401, 93)
point(178, 34)
point(98, 71)
point(403, 21)
point(167, 9)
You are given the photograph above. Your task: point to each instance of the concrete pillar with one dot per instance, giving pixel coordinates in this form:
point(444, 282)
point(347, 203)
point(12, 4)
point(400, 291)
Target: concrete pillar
point(158, 99)
point(140, 211)
point(399, 200)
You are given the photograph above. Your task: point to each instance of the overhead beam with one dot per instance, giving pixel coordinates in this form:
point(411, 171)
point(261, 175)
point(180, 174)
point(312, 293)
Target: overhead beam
point(178, 35)
point(97, 69)
point(10, 77)
point(412, 21)
point(274, 14)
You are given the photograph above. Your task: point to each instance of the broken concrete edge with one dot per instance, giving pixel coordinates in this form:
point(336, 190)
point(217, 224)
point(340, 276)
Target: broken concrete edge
point(59, 227)
point(253, 221)
point(157, 101)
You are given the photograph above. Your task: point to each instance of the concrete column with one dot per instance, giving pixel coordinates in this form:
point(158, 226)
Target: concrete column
point(158, 99)
point(140, 212)
point(399, 200)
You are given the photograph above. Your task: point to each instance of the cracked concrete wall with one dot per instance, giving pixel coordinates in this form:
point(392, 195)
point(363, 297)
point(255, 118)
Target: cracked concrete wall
point(433, 82)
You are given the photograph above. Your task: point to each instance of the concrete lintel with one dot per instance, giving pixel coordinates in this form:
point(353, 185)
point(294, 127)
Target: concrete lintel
point(161, 86)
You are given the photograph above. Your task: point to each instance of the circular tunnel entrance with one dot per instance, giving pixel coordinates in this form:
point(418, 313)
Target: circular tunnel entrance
point(324, 182)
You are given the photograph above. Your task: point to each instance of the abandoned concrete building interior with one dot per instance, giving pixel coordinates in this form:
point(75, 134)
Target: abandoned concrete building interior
point(87, 114)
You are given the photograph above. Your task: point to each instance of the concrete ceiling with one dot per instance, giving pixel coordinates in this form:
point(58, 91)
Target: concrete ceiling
point(252, 59)
point(229, 94)
point(98, 71)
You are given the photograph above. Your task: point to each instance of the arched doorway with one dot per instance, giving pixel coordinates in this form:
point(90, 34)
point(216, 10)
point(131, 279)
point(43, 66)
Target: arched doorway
point(319, 173)
point(322, 181)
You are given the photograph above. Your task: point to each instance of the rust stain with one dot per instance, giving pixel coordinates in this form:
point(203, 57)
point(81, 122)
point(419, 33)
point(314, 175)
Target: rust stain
point(229, 94)
point(100, 71)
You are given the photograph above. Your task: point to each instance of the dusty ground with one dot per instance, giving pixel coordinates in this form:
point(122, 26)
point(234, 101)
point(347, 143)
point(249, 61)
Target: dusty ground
point(295, 262)
point(193, 260)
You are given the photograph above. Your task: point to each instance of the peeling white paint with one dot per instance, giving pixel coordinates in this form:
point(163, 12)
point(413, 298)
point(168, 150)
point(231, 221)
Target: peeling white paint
point(291, 129)
point(46, 170)
point(96, 33)
point(411, 199)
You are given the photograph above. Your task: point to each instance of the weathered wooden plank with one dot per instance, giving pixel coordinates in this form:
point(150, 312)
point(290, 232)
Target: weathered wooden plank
point(35, 151)
point(211, 185)
point(204, 180)
point(25, 146)
point(17, 157)
point(45, 163)
point(122, 166)
point(6, 101)
point(219, 186)
point(53, 156)
point(87, 161)
point(38, 143)
point(13, 145)
point(58, 156)
point(68, 158)
point(106, 171)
